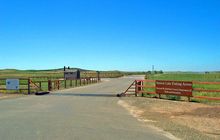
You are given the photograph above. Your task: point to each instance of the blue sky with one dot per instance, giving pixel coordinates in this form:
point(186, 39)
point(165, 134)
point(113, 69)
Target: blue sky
point(129, 35)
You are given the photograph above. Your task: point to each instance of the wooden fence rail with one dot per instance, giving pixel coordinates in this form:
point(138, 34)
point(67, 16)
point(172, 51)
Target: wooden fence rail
point(142, 87)
point(31, 86)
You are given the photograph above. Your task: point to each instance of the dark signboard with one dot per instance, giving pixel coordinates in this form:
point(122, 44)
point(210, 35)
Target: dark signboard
point(71, 75)
point(179, 88)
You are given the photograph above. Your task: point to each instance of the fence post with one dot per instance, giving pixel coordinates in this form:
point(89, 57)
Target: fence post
point(136, 88)
point(49, 85)
point(80, 82)
point(29, 86)
point(75, 82)
point(142, 88)
point(139, 88)
point(55, 85)
point(98, 75)
point(159, 96)
point(40, 85)
point(71, 83)
point(84, 81)
point(64, 83)
point(189, 99)
point(58, 84)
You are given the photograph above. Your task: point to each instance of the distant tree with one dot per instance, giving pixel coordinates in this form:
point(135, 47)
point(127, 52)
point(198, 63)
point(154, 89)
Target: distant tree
point(148, 72)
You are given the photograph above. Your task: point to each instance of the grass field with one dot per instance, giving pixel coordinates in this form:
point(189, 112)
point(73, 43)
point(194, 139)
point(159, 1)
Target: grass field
point(53, 74)
point(209, 77)
point(10, 73)
point(212, 77)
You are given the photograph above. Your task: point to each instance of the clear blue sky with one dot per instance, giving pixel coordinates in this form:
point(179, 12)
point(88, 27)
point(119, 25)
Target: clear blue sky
point(110, 34)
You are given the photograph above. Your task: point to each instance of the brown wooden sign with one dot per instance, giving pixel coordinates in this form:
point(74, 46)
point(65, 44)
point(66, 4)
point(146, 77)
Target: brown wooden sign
point(179, 88)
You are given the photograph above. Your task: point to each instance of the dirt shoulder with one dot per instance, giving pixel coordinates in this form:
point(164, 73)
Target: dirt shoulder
point(9, 96)
point(184, 120)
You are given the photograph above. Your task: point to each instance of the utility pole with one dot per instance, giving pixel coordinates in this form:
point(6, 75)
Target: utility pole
point(153, 69)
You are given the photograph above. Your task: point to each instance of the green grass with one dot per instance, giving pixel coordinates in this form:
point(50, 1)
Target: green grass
point(211, 77)
point(186, 76)
point(53, 74)
point(29, 73)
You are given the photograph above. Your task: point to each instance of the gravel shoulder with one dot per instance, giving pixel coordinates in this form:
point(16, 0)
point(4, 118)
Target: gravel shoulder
point(185, 120)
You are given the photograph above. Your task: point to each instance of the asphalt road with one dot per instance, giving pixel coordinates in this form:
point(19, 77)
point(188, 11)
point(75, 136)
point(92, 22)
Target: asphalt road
point(84, 113)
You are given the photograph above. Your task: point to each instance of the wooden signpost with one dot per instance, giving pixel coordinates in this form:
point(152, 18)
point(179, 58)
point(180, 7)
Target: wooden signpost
point(179, 88)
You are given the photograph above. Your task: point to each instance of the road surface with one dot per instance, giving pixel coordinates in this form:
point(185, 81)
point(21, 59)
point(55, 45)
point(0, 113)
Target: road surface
point(84, 113)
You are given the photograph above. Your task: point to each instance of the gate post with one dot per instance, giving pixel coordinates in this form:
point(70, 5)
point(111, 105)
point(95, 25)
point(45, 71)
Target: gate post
point(49, 85)
point(136, 88)
point(29, 86)
point(40, 85)
point(142, 88)
point(58, 82)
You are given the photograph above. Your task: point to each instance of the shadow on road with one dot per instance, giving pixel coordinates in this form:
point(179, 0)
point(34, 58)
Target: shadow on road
point(83, 94)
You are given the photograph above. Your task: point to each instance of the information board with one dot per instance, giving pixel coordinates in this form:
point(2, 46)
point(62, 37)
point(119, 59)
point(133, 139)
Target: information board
point(179, 88)
point(12, 84)
point(71, 75)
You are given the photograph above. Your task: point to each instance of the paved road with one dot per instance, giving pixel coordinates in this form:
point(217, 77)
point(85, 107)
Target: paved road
point(85, 113)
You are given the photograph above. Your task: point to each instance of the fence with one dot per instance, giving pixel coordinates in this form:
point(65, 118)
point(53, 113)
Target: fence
point(29, 86)
point(63, 84)
point(25, 85)
point(102, 74)
point(141, 87)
